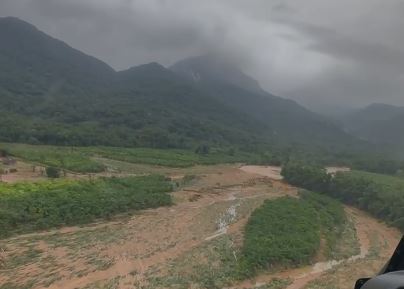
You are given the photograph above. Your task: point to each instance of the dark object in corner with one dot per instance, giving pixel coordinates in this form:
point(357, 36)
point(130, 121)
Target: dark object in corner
point(391, 276)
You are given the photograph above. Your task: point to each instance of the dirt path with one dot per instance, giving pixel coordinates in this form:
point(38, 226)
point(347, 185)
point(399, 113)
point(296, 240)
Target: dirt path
point(267, 171)
point(274, 172)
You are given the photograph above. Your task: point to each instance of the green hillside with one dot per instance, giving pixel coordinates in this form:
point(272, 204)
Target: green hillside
point(287, 120)
point(53, 94)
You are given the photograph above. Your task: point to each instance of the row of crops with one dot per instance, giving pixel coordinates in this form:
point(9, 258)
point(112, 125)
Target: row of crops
point(26, 207)
point(286, 232)
point(82, 159)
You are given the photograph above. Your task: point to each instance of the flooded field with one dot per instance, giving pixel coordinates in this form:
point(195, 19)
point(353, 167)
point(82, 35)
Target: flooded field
point(209, 212)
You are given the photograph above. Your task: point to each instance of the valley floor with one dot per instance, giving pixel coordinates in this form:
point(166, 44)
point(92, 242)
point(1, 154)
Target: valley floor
point(181, 246)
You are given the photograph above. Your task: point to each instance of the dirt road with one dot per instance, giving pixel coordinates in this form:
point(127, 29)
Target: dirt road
point(274, 172)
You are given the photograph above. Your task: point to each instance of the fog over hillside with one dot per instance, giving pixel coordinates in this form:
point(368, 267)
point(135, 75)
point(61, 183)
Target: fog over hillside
point(353, 56)
point(167, 144)
point(51, 93)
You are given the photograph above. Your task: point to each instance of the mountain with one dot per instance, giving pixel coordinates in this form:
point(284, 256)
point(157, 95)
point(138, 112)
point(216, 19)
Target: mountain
point(36, 66)
point(213, 69)
point(377, 123)
point(288, 121)
point(54, 94)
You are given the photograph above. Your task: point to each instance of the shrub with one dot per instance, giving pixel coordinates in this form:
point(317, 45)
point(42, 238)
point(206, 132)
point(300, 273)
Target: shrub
point(52, 172)
point(3, 153)
point(202, 150)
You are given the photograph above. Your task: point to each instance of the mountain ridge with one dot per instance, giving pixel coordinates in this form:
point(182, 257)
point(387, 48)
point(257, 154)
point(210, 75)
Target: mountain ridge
point(211, 68)
point(54, 94)
point(377, 123)
point(251, 99)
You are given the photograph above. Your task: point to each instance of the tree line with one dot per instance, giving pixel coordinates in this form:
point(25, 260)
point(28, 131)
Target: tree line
point(381, 195)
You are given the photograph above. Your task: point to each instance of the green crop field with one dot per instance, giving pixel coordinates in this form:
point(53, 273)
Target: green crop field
point(286, 232)
point(71, 159)
point(81, 159)
point(26, 207)
point(169, 157)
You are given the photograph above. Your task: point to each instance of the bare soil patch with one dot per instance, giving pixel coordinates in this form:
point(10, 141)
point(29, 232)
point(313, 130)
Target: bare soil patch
point(22, 171)
point(268, 171)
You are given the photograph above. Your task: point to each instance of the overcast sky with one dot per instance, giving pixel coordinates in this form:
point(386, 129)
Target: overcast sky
point(319, 52)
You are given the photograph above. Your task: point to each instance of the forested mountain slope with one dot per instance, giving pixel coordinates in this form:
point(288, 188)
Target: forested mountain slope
point(51, 93)
point(378, 123)
point(288, 121)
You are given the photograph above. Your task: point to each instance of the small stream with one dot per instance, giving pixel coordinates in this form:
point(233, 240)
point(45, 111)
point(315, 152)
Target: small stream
point(321, 267)
point(226, 219)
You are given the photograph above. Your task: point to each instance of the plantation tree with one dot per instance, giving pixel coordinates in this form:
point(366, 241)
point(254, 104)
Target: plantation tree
point(155, 137)
point(3, 153)
point(309, 177)
point(202, 149)
point(53, 172)
point(379, 194)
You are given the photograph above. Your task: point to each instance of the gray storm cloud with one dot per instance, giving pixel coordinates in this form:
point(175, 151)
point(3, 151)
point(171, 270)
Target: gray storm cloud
point(323, 53)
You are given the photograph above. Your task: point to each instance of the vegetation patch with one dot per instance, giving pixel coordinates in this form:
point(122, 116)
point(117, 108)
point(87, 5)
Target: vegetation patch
point(309, 177)
point(286, 232)
point(380, 195)
point(70, 159)
point(81, 159)
point(170, 157)
point(276, 284)
point(210, 266)
point(17, 259)
point(331, 216)
point(282, 231)
point(27, 207)
point(347, 244)
point(106, 284)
